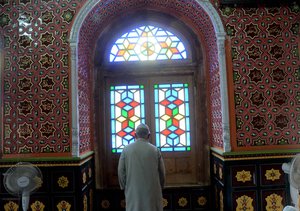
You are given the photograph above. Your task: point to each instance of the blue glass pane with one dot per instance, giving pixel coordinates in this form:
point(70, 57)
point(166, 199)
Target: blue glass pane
point(179, 148)
point(166, 149)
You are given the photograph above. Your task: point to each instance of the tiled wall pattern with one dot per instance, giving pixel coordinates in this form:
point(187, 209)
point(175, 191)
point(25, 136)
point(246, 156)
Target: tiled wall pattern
point(266, 70)
point(36, 76)
point(37, 69)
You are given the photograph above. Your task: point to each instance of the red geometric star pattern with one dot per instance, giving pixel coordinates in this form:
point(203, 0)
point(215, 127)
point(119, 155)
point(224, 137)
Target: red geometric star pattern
point(266, 75)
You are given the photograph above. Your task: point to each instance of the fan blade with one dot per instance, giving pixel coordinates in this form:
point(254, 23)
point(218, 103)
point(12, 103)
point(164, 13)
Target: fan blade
point(295, 172)
point(286, 167)
point(10, 184)
point(25, 200)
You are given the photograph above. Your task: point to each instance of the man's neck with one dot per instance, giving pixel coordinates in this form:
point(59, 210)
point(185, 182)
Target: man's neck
point(142, 139)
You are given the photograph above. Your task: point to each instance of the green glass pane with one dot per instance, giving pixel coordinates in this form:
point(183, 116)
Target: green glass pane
point(169, 122)
point(124, 113)
point(131, 124)
point(175, 111)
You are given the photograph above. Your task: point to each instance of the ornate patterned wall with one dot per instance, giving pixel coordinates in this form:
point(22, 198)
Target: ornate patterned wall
point(36, 76)
point(37, 69)
point(265, 58)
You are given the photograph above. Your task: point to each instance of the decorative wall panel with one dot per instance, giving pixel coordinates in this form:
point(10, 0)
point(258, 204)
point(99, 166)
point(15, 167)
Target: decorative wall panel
point(36, 120)
point(63, 181)
point(271, 175)
point(251, 182)
point(65, 187)
point(243, 176)
point(265, 60)
point(185, 198)
point(244, 200)
point(36, 75)
point(37, 70)
point(273, 199)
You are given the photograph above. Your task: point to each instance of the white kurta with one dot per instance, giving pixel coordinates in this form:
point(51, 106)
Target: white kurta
point(141, 175)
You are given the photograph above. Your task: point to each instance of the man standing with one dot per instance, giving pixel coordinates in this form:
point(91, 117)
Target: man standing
point(141, 173)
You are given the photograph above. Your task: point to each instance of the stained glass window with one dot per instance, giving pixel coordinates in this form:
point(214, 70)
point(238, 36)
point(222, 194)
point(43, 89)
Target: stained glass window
point(147, 43)
point(127, 111)
point(172, 117)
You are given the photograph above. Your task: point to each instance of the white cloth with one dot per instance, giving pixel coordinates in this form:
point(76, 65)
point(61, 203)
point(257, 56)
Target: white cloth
point(141, 175)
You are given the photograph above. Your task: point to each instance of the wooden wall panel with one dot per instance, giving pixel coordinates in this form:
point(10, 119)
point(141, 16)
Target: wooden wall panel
point(180, 198)
point(254, 182)
point(67, 186)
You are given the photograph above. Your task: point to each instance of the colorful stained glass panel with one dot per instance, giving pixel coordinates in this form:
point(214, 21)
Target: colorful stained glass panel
point(147, 43)
point(127, 111)
point(172, 117)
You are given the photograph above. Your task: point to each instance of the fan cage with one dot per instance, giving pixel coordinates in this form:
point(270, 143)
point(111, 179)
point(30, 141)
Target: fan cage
point(22, 177)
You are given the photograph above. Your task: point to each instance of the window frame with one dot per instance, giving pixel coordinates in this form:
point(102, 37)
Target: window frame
point(129, 28)
point(189, 156)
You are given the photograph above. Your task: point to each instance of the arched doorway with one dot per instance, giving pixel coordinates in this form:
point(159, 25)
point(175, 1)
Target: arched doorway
point(179, 127)
point(203, 18)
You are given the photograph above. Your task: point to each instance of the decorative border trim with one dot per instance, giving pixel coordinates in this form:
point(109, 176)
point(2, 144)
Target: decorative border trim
point(260, 156)
point(221, 37)
point(49, 162)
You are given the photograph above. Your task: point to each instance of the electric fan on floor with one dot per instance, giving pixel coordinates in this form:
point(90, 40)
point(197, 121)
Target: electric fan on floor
point(293, 169)
point(21, 180)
